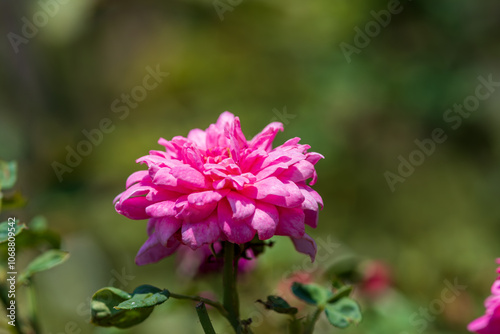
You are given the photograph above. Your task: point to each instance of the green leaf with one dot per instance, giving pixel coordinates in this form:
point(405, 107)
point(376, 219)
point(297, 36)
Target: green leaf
point(343, 313)
point(38, 224)
point(8, 174)
point(278, 305)
point(38, 234)
point(144, 296)
point(4, 230)
point(114, 307)
point(342, 292)
point(47, 260)
point(311, 293)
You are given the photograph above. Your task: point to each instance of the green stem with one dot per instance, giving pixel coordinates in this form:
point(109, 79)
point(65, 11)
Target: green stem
point(214, 304)
point(230, 299)
point(204, 318)
point(32, 302)
point(312, 322)
point(6, 303)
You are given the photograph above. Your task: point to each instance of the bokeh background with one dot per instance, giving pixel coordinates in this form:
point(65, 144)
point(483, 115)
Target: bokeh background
point(264, 61)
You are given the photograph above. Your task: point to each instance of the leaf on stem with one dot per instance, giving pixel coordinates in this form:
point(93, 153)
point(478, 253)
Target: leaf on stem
point(8, 174)
point(311, 293)
point(278, 305)
point(4, 230)
point(47, 260)
point(115, 307)
point(343, 312)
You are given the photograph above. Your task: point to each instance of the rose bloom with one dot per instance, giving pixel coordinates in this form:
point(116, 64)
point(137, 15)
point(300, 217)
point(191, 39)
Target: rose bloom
point(490, 322)
point(215, 185)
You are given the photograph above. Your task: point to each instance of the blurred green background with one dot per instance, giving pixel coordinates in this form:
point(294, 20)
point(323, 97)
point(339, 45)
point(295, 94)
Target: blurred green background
point(263, 61)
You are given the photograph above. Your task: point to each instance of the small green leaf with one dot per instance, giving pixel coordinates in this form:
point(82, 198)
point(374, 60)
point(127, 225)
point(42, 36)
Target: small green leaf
point(114, 307)
point(144, 296)
point(278, 305)
point(38, 224)
point(47, 260)
point(8, 174)
point(342, 292)
point(38, 234)
point(343, 313)
point(105, 315)
point(13, 227)
point(311, 293)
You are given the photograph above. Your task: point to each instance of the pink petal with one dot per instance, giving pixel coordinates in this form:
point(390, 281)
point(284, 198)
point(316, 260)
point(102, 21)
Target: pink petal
point(197, 234)
point(310, 207)
point(314, 157)
point(135, 190)
point(136, 177)
point(300, 171)
point(189, 177)
point(269, 190)
point(265, 220)
point(193, 213)
point(250, 158)
point(291, 222)
point(162, 209)
point(133, 208)
point(264, 139)
point(305, 245)
point(242, 206)
point(237, 232)
point(203, 198)
point(224, 119)
point(198, 137)
point(152, 251)
point(273, 170)
point(165, 228)
point(313, 193)
point(193, 157)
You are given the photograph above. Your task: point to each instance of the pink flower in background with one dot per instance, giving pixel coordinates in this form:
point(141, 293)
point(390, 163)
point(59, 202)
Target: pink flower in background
point(192, 263)
point(215, 185)
point(490, 322)
point(377, 278)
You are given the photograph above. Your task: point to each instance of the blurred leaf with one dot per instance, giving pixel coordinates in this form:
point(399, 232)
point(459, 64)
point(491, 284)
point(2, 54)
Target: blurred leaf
point(144, 296)
point(345, 268)
point(343, 313)
point(4, 229)
point(8, 174)
point(47, 260)
point(38, 234)
point(38, 224)
point(14, 201)
point(278, 305)
point(311, 293)
point(114, 307)
point(342, 292)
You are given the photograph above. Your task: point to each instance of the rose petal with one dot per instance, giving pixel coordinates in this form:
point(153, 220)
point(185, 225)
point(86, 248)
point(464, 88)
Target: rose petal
point(165, 228)
point(265, 220)
point(291, 222)
point(305, 245)
point(264, 139)
point(242, 206)
point(152, 251)
point(205, 232)
point(237, 232)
